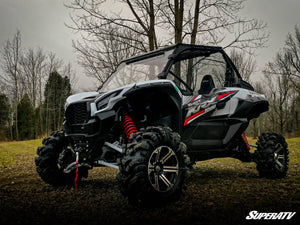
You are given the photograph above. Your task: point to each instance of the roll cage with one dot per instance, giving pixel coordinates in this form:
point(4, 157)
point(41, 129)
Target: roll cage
point(186, 51)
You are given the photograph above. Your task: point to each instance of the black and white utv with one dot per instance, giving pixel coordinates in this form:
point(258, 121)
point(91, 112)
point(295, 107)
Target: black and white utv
point(155, 116)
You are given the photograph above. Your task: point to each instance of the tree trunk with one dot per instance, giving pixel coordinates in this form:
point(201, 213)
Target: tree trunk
point(16, 109)
point(151, 32)
point(189, 78)
point(179, 9)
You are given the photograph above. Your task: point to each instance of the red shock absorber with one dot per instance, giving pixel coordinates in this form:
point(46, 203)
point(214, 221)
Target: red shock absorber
point(129, 126)
point(246, 140)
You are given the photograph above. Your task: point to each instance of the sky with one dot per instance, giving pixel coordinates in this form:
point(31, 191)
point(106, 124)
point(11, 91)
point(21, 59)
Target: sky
point(42, 24)
point(281, 16)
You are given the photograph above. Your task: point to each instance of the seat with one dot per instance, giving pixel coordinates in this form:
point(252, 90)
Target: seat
point(207, 84)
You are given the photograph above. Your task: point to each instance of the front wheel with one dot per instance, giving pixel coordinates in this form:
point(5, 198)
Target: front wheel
point(153, 169)
point(51, 159)
point(272, 156)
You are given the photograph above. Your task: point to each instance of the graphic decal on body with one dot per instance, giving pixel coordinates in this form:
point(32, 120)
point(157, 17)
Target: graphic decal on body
point(199, 106)
point(198, 114)
point(227, 94)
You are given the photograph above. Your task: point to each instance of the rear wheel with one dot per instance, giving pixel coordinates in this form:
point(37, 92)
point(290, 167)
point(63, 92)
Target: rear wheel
point(272, 156)
point(52, 157)
point(153, 170)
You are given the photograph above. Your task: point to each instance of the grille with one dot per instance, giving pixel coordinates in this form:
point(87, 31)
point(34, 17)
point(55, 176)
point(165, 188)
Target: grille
point(77, 113)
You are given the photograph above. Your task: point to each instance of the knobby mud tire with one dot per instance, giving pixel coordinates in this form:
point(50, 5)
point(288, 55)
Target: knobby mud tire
point(133, 179)
point(46, 162)
point(272, 156)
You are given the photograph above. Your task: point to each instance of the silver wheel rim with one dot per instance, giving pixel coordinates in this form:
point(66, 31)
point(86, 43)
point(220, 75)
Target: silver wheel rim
point(163, 168)
point(279, 157)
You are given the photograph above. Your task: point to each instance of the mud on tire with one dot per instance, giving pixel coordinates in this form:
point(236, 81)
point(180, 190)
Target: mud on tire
point(153, 169)
point(47, 164)
point(272, 156)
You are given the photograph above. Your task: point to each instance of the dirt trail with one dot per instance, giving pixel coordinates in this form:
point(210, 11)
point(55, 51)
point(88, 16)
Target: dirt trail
point(218, 192)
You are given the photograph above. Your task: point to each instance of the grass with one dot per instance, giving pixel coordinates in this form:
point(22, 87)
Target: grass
point(218, 191)
point(9, 151)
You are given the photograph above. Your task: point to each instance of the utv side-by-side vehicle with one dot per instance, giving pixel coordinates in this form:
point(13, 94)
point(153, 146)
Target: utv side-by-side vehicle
point(155, 116)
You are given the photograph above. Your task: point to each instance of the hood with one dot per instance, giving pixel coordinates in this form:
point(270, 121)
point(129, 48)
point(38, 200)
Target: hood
point(81, 96)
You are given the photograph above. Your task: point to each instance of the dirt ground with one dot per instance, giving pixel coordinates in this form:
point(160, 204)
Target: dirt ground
point(220, 191)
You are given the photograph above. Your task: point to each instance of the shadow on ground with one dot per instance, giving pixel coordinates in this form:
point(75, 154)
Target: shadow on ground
point(217, 192)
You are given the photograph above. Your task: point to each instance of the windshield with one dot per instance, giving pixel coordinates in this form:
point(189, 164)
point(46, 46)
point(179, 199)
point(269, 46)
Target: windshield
point(135, 72)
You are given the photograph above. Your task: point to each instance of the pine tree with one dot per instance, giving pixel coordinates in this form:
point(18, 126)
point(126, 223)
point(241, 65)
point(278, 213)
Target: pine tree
point(4, 116)
point(56, 92)
point(26, 115)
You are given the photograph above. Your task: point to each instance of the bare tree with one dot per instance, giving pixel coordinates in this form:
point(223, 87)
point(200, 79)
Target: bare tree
point(11, 55)
point(33, 65)
point(53, 63)
point(108, 38)
point(212, 22)
point(140, 19)
point(284, 91)
point(278, 91)
point(101, 56)
point(289, 59)
point(25, 72)
point(244, 63)
point(281, 86)
point(71, 74)
point(151, 24)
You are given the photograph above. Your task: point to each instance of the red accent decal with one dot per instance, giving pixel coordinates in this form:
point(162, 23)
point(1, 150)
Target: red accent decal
point(194, 98)
point(226, 94)
point(246, 140)
point(76, 177)
point(192, 117)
